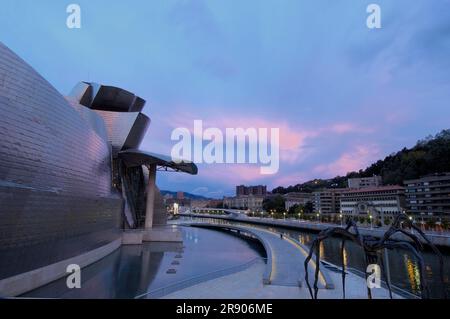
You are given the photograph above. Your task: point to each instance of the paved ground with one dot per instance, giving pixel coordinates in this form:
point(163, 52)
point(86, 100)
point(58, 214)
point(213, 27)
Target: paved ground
point(247, 284)
point(287, 257)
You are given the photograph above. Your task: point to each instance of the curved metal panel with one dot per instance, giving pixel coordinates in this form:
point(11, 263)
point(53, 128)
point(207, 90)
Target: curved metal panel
point(56, 196)
point(125, 130)
point(107, 98)
point(134, 157)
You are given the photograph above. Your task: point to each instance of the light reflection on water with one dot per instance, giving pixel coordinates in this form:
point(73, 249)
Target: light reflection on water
point(345, 257)
point(133, 270)
point(412, 269)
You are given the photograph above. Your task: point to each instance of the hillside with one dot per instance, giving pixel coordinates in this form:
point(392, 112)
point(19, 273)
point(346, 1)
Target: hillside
point(186, 195)
point(431, 155)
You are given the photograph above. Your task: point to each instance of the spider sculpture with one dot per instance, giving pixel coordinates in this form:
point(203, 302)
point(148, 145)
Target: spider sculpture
point(372, 246)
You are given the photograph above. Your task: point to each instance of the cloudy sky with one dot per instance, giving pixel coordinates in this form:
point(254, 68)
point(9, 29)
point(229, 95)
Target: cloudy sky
point(341, 94)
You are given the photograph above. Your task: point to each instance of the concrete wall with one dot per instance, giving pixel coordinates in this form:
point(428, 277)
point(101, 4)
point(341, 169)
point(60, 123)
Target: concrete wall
point(36, 278)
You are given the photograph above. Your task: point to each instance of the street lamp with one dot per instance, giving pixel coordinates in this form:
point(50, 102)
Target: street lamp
point(340, 216)
point(371, 224)
point(284, 214)
point(412, 222)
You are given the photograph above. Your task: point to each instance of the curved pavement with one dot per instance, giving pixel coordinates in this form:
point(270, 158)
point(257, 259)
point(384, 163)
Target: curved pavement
point(285, 257)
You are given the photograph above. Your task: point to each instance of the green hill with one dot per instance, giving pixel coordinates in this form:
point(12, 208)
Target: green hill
point(431, 155)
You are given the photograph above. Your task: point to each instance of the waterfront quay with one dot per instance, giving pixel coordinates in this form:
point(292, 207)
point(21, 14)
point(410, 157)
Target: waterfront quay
point(437, 238)
point(281, 276)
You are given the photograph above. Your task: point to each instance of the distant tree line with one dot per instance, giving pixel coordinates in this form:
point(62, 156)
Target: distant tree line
point(428, 156)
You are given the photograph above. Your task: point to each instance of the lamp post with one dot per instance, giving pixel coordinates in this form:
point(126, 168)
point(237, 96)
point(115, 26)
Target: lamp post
point(318, 215)
point(284, 215)
point(340, 216)
point(412, 222)
point(371, 223)
point(271, 214)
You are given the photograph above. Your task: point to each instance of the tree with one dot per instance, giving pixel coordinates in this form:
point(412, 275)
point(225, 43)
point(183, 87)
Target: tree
point(428, 156)
point(274, 203)
point(293, 209)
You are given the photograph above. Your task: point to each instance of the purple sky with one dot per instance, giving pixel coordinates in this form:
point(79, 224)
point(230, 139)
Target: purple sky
point(342, 95)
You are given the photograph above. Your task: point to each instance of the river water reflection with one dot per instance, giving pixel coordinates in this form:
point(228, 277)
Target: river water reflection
point(133, 270)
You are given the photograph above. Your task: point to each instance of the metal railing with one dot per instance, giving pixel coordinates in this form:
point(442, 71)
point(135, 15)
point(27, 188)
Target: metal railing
point(399, 291)
point(189, 282)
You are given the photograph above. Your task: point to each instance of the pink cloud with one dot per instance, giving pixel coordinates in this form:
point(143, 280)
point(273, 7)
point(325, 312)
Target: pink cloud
point(291, 179)
point(292, 148)
point(291, 140)
point(358, 158)
point(343, 128)
point(232, 174)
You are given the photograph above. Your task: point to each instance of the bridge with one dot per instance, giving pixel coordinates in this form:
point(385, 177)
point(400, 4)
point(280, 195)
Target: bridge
point(223, 211)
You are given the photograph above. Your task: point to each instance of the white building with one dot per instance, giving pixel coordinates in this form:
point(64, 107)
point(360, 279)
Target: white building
point(378, 202)
point(301, 199)
point(251, 202)
point(364, 182)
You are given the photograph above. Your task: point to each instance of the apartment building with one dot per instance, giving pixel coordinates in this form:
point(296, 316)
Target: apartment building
point(364, 182)
point(429, 196)
point(258, 190)
point(327, 201)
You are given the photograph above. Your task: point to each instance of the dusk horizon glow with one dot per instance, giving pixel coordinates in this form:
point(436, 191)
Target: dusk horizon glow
point(342, 95)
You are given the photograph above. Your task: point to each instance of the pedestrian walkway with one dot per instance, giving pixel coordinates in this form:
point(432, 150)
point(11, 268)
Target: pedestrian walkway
point(285, 257)
point(247, 284)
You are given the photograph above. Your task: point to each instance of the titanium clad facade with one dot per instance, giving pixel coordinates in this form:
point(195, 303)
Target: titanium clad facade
point(125, 130)
point(56, 195)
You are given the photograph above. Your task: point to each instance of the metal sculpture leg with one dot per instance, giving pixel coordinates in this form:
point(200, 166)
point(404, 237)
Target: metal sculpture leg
point(372, 247)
